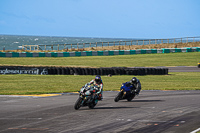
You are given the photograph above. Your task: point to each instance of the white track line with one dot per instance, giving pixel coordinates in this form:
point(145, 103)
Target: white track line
point(195, 130)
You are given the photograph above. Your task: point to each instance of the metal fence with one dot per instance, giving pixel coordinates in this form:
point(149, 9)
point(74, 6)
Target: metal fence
point(74, 46)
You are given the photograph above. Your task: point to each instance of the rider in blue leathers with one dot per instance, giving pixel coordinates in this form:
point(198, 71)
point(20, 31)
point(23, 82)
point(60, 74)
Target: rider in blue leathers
point(136, 85)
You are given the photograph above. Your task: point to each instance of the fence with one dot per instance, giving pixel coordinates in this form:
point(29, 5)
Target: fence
point(98, 53)
point(58, 47)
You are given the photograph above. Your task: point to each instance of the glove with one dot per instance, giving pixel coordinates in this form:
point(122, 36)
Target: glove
point(99, 98)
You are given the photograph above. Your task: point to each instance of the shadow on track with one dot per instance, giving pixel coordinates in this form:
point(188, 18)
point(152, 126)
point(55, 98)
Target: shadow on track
point(143, 101)
point(113, 107)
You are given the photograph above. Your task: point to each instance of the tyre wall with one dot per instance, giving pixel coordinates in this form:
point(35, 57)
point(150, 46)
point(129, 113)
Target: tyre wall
point(82, 71)
point(106, 71)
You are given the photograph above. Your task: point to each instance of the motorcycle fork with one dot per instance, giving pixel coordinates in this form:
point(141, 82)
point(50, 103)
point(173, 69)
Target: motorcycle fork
point(84, 98)
point(123, 93)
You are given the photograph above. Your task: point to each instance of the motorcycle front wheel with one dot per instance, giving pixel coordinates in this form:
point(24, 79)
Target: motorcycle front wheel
point(78, 103)
point(119, 96)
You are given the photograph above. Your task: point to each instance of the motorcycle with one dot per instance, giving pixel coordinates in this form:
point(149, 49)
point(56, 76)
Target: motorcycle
point(87, 97)
point(125, 92)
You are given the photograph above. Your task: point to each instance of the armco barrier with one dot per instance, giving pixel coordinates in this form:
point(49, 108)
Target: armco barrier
point(82, 71)
point(98, 53)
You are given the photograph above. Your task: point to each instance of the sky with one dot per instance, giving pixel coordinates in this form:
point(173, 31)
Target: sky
point(149, 19)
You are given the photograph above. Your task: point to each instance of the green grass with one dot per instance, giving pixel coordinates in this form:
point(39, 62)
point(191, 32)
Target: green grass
point(39, 84)
point(139, 60)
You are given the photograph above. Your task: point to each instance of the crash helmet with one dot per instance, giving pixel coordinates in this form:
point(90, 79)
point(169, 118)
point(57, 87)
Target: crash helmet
point(98, 79)
point(133, 80)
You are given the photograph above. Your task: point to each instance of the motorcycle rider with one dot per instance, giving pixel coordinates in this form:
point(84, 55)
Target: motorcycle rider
point(98, 81)
point(136, 85)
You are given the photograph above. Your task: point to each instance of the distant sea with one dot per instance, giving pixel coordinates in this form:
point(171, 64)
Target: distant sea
point(11, 42)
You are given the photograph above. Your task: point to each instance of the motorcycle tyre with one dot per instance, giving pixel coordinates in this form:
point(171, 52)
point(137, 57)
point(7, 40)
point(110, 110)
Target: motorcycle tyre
point(118, 97)
point(92, 105)
point(130, 98)
point(78, 103)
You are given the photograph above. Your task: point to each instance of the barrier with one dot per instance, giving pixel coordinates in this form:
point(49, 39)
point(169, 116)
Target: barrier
point(98, 53)
point(23, 70)
point(82, 71)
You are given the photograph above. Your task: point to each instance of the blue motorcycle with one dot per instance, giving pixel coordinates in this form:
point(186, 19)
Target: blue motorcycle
point(87, 97)
point(126, 92)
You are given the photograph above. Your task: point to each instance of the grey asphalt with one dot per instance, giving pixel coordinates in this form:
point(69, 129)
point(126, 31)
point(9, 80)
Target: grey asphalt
point(184, 69)
point(151, 111)
point(178, 68)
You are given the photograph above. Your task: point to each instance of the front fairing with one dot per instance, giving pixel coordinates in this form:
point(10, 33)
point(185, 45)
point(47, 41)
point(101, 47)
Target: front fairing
point(126, 87)
point(88, 93)
point(85, 90)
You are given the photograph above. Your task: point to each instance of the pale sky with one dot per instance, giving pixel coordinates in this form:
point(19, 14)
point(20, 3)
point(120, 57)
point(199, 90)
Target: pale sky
point(101, 18)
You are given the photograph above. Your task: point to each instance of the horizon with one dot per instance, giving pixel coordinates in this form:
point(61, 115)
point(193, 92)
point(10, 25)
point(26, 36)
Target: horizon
point(101, 37)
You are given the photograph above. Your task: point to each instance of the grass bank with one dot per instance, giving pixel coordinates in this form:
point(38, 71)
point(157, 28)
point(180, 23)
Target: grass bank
point(139, 60)
point(117, 47)
point(39, 84)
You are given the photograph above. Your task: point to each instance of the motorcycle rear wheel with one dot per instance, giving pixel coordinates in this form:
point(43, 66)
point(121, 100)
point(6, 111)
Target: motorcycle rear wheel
point(130, 97)
point(78, 103)
point(118, 97)
point(91, 105)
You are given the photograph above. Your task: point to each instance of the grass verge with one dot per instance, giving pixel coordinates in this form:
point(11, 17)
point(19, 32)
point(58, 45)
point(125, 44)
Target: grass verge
point(40, 84)
point(139, 60)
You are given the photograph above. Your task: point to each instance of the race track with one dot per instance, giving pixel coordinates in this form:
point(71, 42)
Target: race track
point(151, 111)
point(183, 69)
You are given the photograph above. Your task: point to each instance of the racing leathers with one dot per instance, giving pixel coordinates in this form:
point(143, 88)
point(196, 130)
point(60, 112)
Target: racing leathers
point(136, 86)
point(100, 86)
